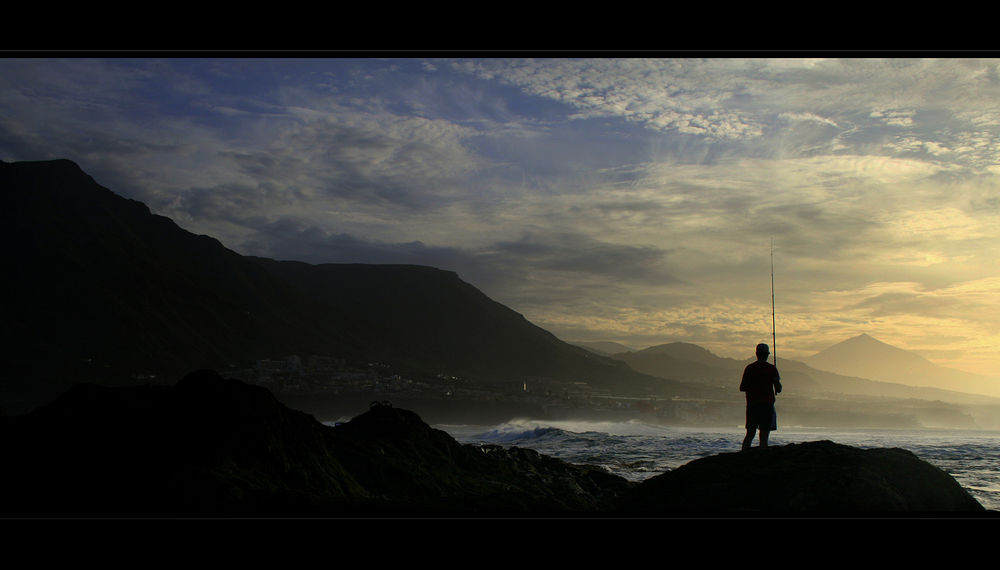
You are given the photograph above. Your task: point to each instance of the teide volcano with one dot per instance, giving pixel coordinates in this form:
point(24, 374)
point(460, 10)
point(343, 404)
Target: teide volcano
point(866, 357)
point(99, 288)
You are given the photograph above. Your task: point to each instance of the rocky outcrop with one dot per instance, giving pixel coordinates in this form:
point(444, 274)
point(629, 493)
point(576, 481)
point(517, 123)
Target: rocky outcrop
point(415, 467)
point(215, 447)
point(204, 447)
point(818, 477)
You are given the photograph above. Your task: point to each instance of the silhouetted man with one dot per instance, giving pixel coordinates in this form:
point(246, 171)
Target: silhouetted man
point(760, 382)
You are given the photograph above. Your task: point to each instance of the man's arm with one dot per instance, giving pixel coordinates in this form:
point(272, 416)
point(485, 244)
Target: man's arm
point(777, 382)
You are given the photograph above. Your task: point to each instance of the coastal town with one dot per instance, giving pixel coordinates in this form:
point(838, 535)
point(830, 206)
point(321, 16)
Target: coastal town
point(328, 376)
point(705, 403)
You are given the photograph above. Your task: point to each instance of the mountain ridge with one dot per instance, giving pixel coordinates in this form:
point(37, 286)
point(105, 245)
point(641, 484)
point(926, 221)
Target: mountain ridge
point(104, 290)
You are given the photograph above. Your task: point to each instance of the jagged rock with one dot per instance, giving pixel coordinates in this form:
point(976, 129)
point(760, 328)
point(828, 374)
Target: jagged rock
point(416, 467)
point(815, 477)
point(210, 446)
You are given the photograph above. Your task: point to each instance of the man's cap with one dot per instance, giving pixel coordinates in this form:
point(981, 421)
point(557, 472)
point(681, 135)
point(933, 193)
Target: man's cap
point(763, 349)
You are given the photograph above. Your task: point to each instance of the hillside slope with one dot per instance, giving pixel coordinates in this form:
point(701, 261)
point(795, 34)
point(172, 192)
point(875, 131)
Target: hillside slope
point(432, 319)
point(101, 289)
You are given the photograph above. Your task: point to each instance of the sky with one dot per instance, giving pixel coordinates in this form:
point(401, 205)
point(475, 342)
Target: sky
point(619, 199)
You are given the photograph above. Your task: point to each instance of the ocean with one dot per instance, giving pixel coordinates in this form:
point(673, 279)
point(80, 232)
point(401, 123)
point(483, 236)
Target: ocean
point(637, 450)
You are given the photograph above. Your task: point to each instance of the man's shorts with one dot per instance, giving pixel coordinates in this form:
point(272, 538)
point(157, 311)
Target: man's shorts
point(760, 416)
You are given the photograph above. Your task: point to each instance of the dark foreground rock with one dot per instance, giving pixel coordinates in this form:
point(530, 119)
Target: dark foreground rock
point(215, 447)
point(818, 477)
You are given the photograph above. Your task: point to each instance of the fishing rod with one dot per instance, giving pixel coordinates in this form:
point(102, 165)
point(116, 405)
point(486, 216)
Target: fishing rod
point(774, 332)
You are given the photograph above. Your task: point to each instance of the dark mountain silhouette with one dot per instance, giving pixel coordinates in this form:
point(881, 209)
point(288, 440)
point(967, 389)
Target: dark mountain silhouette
point(866, 357)
point(432, 320)
point(100, 289)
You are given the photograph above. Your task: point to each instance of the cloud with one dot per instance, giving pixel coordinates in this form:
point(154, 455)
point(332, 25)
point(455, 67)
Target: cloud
point(655, 93)
point(502, 266)
point(633, 198)
point(738, 100)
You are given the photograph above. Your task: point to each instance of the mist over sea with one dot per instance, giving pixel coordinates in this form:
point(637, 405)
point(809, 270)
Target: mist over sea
point(637, 450)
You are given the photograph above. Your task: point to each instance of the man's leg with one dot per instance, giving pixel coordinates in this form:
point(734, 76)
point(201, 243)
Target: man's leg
point(749, 438)
point(763, 437)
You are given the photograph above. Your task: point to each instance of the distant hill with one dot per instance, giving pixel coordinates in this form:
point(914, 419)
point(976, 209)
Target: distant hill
point(669, 366)
point(98, 288)
point(692, 363)
point(696, 354)
point(866, 357)
point(604, 348)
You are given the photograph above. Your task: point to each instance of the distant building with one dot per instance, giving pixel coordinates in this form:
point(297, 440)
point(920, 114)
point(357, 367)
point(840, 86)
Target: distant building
point(266, 368)
point(325, 363)
point(507, 386)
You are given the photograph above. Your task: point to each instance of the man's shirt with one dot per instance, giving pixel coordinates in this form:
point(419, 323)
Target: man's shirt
point(758, 381)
